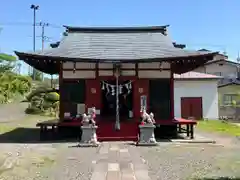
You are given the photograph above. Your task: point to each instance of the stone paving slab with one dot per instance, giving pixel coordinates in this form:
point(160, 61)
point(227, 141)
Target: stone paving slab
point(116, 161)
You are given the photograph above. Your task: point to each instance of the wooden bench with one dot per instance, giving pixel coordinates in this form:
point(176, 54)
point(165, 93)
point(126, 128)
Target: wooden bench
point(45, 124)
point(54, 125)
point(186, 126)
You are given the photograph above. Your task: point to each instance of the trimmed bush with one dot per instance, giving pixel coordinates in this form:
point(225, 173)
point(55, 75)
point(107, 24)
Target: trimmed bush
point(43, 100)
point(52, 97)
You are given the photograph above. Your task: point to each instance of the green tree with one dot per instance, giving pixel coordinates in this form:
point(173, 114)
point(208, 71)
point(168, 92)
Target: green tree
point(7, 62)
point(12, 85)
point(37, 75)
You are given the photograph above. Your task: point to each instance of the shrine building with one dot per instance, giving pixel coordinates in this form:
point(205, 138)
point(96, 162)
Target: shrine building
point(118, 70)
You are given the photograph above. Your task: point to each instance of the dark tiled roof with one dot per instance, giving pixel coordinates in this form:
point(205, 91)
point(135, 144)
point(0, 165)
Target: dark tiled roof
point(226, 82)
point(181, 46)
point(204, 50)
point(110, 44)
point(223, 61)
point(116, 45)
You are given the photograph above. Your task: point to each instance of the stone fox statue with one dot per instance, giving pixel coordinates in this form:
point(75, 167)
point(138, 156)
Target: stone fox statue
point(147, 118)
point(89, 119)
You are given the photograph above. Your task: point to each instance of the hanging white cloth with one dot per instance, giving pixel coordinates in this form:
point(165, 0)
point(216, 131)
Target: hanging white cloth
point(112, 90)
point(120, 89)
point(108, 88)
point(130, 85)
point(103, 86)
point(126, 85)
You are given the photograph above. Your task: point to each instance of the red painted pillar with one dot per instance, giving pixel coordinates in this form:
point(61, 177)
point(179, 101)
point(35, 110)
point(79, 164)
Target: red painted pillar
point(60, 80)
point(172, 96)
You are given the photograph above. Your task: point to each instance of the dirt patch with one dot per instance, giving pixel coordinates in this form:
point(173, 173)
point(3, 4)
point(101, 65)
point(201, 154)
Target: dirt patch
point(22, 155)
point(12, 112)
point(31, 161)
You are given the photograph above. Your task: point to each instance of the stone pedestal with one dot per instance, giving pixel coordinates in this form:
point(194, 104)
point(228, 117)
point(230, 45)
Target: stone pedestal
point(89, 136)
point(147, 137)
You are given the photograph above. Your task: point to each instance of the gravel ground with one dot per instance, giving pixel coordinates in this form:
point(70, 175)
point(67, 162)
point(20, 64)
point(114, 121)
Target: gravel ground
point(165, 162)
point(75, 163)
point(27, 161)
point(190, 161)
point(60, 161)
point(168, 161)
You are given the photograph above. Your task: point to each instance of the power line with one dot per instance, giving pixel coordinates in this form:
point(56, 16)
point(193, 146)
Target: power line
point(15, 24)
point(28, 24)
point(44, 38)
point(55, 26)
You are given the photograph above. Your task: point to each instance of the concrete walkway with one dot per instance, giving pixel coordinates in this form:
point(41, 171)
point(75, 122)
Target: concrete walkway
point(117, 162)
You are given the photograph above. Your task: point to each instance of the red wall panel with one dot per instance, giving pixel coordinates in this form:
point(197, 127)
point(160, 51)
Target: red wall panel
point(141, 87)
point(93, 94)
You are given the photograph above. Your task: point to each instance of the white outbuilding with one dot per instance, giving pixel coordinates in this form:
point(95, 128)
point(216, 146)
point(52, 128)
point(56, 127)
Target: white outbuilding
point(196, 95)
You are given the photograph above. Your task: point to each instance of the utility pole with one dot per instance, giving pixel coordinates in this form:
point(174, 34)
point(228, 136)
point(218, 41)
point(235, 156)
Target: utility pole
point(43, 25)
point(238, 67)
point(19, 65)
point(35, 8)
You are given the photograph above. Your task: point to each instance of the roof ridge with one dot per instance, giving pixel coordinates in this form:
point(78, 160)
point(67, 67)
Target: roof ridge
point(115, 29)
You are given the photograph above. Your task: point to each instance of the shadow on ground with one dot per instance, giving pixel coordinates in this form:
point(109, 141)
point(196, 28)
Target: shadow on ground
point(32, 135)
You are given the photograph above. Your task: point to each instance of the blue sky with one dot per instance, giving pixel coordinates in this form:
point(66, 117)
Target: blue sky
point(210, 24)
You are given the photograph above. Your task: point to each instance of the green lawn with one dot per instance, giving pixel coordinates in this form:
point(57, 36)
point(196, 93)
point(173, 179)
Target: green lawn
point(5, 128)
point(219, 126)
point(28, 121)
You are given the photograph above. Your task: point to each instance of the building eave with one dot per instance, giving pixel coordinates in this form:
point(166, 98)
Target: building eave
point(51, 64)
point(228, 84)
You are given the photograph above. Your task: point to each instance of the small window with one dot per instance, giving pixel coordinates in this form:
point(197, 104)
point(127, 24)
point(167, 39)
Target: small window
point(229, 98)
point(217, 73)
